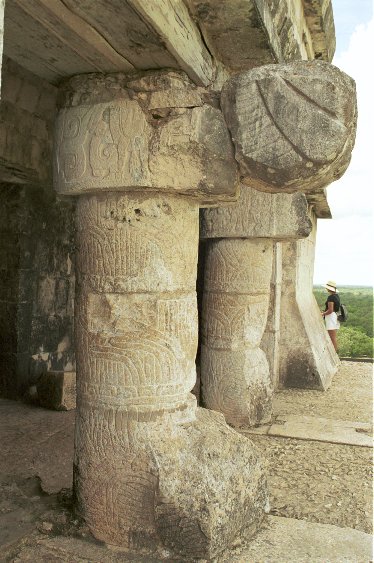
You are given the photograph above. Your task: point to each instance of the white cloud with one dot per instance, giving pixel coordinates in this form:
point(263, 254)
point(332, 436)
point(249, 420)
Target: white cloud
point(344, 245)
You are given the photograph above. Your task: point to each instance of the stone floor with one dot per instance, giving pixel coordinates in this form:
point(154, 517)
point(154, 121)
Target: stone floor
point(319, 476)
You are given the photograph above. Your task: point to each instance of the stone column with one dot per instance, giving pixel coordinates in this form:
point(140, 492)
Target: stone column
point(270, 338)
point(293, 127)
point(239, 273)
point(150, 467)
point(306, 356)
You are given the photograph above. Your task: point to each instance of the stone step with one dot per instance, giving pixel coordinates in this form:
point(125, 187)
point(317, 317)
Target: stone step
point(287, 540)
point(317, 428)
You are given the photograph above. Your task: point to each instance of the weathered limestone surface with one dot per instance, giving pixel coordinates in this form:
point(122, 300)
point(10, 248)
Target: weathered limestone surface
point(293, 125)
point(149, 466)
point(234, 370)
point(240, 331)
point(36, 285)
point(136, 346)
point(270, 338)
point(259, 215)
point(61, 39)
point(179, 141)
point(27, 104)
point(265, 31)
point(307, 357)
point(2, 4)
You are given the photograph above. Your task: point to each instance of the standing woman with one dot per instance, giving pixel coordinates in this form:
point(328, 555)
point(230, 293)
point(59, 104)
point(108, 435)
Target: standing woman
point(330, 313)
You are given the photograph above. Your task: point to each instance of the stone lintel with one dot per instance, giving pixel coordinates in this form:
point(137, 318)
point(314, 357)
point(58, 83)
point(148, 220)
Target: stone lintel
point(293, 125)
point(259, 215)
point(150, 132)
point(66, 37)
point(265, 31)
point(320, 20)
point(251, 47)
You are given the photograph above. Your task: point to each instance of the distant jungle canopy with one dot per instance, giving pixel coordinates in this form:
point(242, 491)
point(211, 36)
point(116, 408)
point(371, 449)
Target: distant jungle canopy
point(355, 337)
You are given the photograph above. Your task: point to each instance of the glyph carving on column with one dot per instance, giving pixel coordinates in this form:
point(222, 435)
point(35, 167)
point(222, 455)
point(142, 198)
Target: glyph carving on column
point(293, 125)
point(234, 370)
point(150, 467)
point(235, 374)
point(146, 132)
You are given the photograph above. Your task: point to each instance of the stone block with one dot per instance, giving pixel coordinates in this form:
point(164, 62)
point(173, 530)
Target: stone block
point(28, 96)
point(259, 215)
point(46, 295)
point(239, 266)
point(231, 321)
point(293, 125)
point(238, 384)
point(194, 486)
point(118, 141)
point(307, 357)
point(143, 255)
point(57, 390)
point(8, 371)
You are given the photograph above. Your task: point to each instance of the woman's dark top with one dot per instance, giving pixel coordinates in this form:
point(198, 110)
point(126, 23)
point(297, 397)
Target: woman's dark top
point(335, 299)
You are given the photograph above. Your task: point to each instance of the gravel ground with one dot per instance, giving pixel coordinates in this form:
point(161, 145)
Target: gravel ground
point(350, 396)
point(317, 481)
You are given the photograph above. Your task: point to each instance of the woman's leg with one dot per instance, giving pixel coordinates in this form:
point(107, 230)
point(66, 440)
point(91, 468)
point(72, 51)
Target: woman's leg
point(332, 334)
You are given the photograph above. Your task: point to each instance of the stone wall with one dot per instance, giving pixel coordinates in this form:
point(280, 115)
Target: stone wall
point(37, 285)
point(37, 273)
point(27, 110)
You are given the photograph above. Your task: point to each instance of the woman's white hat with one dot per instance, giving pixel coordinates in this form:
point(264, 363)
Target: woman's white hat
point(331, 286)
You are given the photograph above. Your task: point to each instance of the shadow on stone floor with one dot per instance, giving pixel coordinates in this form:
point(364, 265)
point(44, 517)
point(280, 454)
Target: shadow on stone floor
point(308, 479)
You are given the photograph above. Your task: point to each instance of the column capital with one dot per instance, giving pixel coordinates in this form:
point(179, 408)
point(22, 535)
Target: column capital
point(293, 125)
point(259, 215)
point(154, 131)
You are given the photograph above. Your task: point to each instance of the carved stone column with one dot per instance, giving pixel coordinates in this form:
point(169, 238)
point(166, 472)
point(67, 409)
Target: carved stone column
point(271, 338)
point(241, 256)
point(293, 127)
point(150, 467)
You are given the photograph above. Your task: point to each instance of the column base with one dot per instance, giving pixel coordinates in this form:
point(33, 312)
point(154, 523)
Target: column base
point(191, 487)
point(238, 384)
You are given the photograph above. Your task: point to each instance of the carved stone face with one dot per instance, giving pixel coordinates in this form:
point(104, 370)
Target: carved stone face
point(293, 125)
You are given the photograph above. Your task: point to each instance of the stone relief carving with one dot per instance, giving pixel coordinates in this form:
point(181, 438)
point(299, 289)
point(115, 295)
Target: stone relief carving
point(234, 371)
point(293, 124)
point(121, 141)
point(105, 145)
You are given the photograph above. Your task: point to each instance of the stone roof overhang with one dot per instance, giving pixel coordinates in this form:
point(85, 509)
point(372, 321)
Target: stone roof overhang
point(55, 39)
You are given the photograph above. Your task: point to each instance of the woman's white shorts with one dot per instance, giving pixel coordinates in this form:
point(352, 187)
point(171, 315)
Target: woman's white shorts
point(332, 322)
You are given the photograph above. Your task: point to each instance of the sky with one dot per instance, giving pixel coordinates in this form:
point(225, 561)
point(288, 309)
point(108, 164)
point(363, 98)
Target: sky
point(344, 250)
